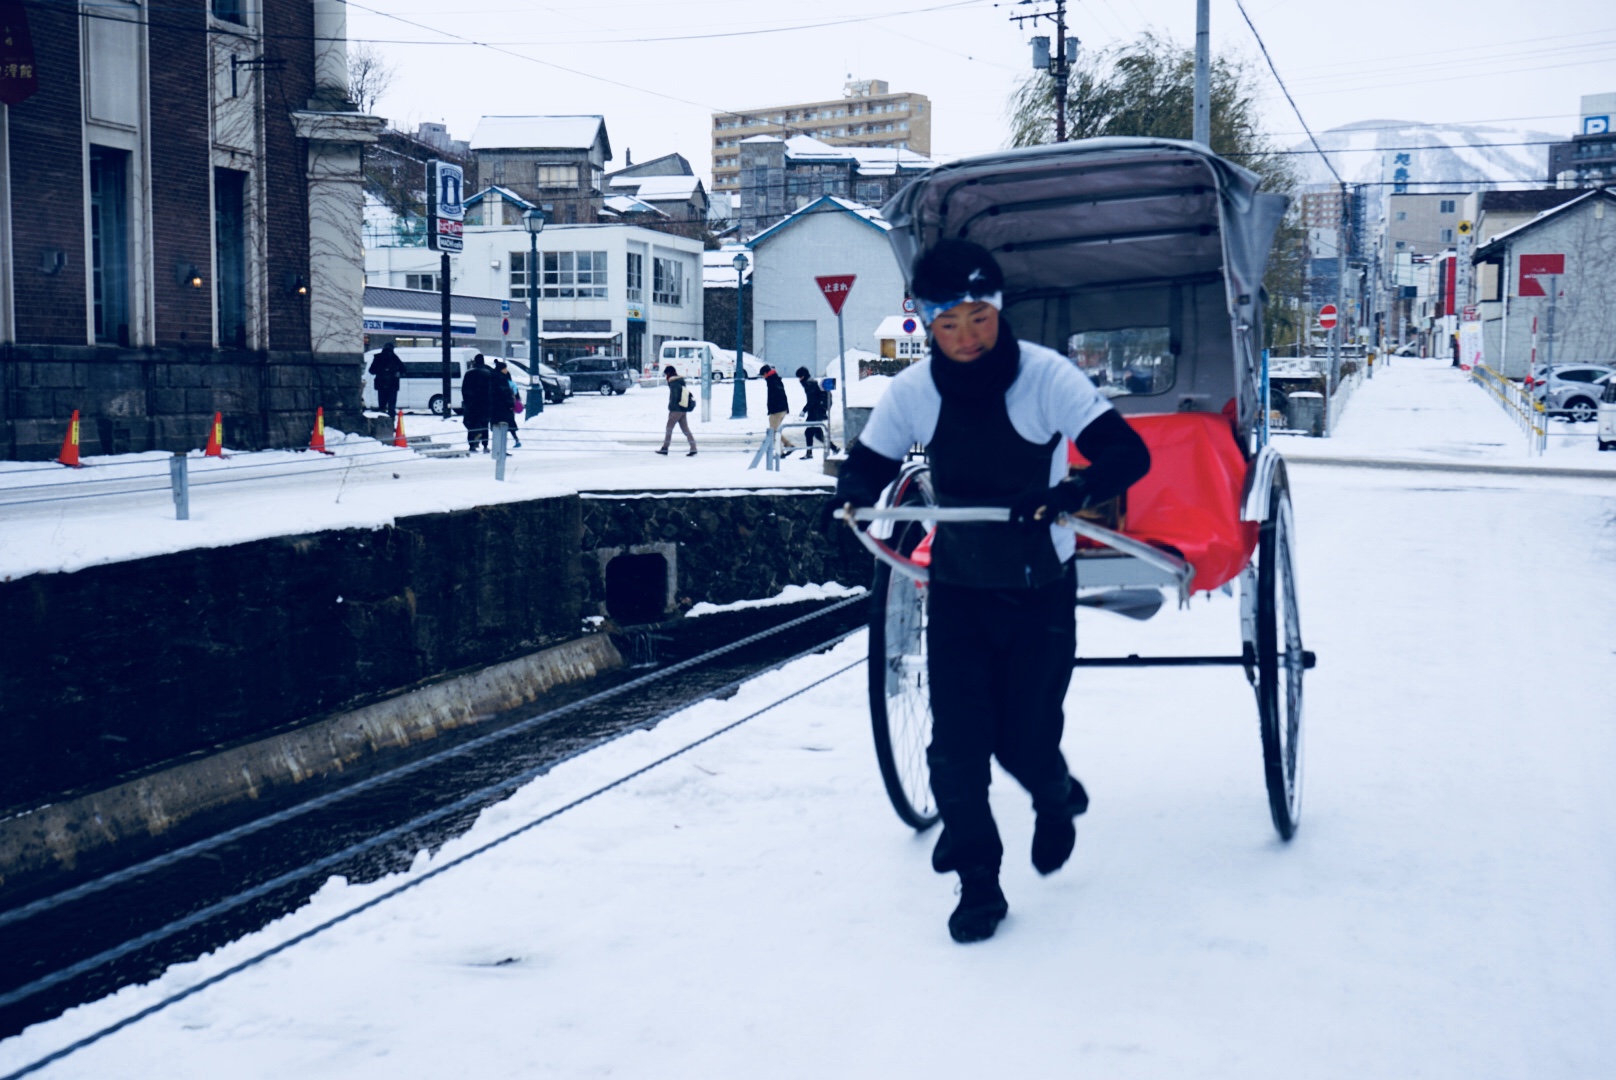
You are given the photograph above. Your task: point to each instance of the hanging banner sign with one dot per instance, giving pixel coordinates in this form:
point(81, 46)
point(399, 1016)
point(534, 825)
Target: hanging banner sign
point(445, 210)
point(18, 77)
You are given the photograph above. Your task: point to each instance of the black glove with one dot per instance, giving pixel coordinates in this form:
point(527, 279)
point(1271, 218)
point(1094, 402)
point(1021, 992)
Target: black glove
point(830, 521)
point(1043, 507)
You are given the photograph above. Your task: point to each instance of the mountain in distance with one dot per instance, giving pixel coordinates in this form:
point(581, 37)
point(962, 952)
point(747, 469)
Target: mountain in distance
point(1446, 156)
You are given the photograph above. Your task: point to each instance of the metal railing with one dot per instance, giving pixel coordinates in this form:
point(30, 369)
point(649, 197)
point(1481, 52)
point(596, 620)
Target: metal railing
point(1527, 412)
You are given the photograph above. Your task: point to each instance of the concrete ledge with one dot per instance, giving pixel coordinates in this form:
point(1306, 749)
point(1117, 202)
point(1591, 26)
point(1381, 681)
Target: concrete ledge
point(54, 837)
point(1486, 468)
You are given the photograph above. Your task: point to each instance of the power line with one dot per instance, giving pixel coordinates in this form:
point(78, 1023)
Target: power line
point(1299, 119)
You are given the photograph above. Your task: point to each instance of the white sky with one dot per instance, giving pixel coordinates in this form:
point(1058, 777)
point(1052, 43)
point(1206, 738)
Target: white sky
point(1372, 59)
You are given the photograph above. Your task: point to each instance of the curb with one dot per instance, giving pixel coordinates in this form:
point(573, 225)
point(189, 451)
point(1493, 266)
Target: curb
point(53, 838)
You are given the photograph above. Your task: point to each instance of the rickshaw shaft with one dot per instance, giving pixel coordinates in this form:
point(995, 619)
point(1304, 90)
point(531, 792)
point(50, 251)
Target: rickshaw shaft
point(1309, 659)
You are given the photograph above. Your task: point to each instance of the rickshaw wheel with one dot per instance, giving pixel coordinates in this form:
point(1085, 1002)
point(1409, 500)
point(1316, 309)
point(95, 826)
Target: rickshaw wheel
point(1281, 662)
point(900, 685)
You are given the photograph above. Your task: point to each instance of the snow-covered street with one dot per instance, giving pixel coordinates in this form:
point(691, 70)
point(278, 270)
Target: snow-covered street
point(754, 909)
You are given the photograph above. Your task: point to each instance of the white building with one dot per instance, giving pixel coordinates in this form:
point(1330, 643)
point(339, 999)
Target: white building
point(616, 289)
point(790, 317)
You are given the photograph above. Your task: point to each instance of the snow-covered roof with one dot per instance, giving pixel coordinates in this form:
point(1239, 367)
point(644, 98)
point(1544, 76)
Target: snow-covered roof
point(718, 267)
point(868, 160)
point(539, 133)
point(825, 204)
point(628, 204)
point(760, 138)
point(660, 187)
point(1494, 245)
point(503, 192)
point(892, 327)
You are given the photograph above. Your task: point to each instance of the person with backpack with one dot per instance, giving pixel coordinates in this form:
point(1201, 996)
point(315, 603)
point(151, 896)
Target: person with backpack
point(503, 400)
point(680, 402)
point(817, 408)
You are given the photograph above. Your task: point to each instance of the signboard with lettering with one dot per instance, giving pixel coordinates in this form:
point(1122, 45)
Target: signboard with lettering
point(445, 208)
point(1533, 267)
point(18, 77)
point(836, 287)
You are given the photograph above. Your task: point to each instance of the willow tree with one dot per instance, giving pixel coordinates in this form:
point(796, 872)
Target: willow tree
point(1146, 87)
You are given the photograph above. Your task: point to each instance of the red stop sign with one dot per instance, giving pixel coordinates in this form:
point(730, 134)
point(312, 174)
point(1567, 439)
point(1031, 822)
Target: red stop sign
point(1327, 315)
point(835, 287)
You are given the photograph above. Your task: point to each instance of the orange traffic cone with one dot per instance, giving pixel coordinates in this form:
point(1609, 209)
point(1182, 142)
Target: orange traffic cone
point(215, 437)
point(317, 442)
point(70, 445)
point(398, 432)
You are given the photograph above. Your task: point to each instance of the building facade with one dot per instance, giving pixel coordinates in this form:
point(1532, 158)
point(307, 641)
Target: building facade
point(614, 289)
point(1589, 159)
point(867, 115)
point(556, 160)
point(790, 317)
point(180, 231)
point(780, 177)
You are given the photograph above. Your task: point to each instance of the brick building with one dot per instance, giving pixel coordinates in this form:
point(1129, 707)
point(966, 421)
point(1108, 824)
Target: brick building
point(179, 227)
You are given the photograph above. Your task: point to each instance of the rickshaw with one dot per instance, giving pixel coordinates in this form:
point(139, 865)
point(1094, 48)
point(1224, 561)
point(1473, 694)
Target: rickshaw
point(1142, 261)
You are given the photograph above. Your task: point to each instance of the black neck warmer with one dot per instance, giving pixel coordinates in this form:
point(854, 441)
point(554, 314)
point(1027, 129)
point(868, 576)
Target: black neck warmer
point(991, 373)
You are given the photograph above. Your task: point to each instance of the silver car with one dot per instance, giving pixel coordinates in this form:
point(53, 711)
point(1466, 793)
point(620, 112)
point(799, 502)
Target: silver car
point(1573, 391)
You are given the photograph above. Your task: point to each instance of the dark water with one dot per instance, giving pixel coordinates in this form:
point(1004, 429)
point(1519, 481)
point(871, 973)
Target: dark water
point(79, 929)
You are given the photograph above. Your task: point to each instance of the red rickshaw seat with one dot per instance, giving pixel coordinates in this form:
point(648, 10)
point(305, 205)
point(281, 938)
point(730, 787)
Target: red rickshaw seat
point(1190, 499)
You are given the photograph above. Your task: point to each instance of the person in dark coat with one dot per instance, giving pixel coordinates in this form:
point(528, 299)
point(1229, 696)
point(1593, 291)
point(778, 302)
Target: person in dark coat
point(387, 369)
point(994, 415)
point(476, 391)
point(775, 404)
point(502, 400)
point(680, 402)
point(817, 408)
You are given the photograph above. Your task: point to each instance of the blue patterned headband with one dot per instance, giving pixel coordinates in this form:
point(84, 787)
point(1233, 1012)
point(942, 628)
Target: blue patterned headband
point(930, 309)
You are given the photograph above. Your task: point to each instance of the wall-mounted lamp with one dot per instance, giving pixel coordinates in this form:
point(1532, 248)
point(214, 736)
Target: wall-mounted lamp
point(297, 284)
point(52, 260)
point(187, 275)
point(495, 264)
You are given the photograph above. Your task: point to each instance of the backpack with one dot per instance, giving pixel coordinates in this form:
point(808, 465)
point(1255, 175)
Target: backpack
point(687, 400)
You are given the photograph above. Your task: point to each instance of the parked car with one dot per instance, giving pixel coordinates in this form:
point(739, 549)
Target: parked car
point(601, 374)
point(420, 388)
point(1545, 382)
point(687, 356)
point(1573, 392)
point(557, 387)
point(1607, 416)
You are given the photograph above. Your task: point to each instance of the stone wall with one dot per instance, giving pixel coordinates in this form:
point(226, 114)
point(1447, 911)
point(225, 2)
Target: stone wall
point(114, 671)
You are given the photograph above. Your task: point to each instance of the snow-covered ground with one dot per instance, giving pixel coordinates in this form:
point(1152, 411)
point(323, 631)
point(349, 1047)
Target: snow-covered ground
point(754, 909)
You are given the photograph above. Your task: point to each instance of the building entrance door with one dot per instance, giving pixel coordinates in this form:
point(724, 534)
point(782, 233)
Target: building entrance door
point(789, 344)
point(635, 347)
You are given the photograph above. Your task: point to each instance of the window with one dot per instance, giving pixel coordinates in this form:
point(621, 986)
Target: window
point(568, 274)
point(1447, 236)
point(667, 280)
point(230, 11)
point(1132, 360)
point(1446, 206)
point(424, 282)
point(597, 179)
point(555, 176)
point(635, 278)
point(903, 125)
point(230, 255)
point(518, 275)
point(1402, 215)
point(109, 243)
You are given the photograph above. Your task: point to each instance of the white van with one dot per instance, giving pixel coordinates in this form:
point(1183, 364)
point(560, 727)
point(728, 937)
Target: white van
point(1607, 415)
point(421, 387)
point(686, 357)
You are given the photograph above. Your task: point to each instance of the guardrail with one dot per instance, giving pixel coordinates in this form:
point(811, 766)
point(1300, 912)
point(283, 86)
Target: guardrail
point(1527, 412)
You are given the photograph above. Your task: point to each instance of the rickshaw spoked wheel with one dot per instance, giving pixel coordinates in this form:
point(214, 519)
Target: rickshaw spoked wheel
point(900, 686)
point(1281, 661)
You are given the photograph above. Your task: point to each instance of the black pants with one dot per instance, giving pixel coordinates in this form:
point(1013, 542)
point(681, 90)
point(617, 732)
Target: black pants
point(387, 400)
point(1000, 662)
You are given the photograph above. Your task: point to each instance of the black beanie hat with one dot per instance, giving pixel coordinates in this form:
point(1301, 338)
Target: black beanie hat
point(802, 373)
point(952, 270)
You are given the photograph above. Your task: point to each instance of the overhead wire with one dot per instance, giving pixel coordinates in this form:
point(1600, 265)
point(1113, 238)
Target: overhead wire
point(1294, 107)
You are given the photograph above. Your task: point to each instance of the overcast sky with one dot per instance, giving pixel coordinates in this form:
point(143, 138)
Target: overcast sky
point(1483, 61)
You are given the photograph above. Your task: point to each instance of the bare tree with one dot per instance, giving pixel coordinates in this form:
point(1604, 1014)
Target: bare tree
point(369, 75)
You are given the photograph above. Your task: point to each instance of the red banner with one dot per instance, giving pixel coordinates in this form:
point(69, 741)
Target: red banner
point(836, 287)
point(1533, 266)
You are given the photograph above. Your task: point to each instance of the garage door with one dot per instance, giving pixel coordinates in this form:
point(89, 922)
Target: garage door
point(789, 344)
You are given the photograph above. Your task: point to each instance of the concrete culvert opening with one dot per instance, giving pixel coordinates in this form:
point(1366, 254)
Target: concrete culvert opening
point(636, 588)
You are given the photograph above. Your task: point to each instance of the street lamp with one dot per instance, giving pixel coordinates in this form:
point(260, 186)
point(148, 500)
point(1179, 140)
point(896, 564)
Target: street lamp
point(737, 408)
point(533, 222)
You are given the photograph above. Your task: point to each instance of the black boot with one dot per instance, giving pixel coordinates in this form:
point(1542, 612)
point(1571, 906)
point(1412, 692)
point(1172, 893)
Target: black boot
point(1054, 835)
point(982, 907)
point(942, 856)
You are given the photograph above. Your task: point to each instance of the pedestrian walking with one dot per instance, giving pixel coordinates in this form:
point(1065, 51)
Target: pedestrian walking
point(817, 408)
point(776, 405)
point(476, 390)
point(388, 369)
point(504, 400)
point(680, 402)
point(994, 415)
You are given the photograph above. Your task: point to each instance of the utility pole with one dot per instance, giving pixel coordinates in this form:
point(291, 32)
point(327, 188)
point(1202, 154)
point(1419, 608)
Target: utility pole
point(1060, 64)
point(1203, 72)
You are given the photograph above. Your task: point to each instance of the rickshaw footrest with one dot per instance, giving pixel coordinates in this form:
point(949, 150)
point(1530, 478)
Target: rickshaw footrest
point(1135, 660)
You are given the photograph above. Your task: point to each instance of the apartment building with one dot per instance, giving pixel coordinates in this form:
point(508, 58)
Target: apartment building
point(867, 114)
